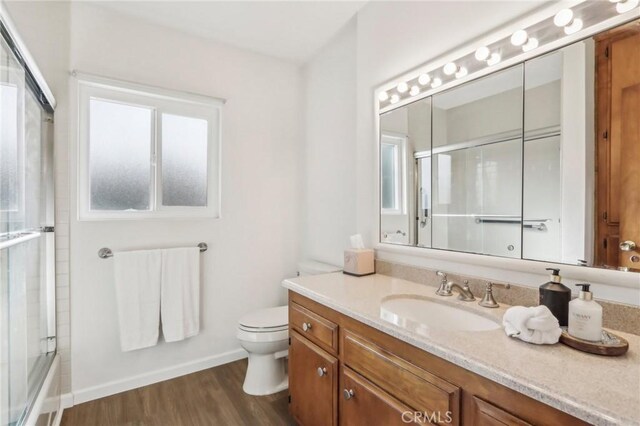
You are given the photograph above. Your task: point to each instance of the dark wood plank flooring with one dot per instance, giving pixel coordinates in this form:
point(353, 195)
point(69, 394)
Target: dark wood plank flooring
point(208, 397)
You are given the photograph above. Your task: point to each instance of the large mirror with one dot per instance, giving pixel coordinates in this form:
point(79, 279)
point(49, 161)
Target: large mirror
point(523, 163)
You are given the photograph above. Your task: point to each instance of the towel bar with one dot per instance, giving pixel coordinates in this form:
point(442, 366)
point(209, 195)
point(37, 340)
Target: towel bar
point(105, 253)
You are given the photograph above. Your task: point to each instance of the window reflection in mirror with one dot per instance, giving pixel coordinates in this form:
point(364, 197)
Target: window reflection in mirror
point(405, 138)
point(477, 165)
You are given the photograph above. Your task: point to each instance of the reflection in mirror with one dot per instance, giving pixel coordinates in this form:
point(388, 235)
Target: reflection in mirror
point(559, 156)
point(405, 135)
point(524, 163)
point(477, 158)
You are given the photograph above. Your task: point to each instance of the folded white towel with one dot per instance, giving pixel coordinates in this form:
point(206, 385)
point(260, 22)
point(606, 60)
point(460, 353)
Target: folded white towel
point(137, 281)
point(534, 325)
point(180, 293)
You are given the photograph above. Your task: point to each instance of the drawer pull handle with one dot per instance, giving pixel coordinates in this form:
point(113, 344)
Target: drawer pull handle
point(306, 326)
point(322, 371)
point(348, 394)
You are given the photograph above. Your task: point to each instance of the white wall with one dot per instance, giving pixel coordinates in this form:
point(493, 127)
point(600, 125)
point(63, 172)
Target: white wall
point(329, 154)
point(252, 247)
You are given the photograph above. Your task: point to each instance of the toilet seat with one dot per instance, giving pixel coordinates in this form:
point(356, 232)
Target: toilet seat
point(270, 319)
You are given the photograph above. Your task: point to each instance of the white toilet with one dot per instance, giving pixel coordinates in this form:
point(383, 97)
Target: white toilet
point(264, 334)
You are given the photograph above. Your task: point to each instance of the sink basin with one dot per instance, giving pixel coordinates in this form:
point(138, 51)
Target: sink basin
point(421, 314)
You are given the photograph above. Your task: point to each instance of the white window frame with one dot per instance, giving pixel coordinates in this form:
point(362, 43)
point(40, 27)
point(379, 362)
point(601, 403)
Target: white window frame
point(160, 101)
point(400, 142)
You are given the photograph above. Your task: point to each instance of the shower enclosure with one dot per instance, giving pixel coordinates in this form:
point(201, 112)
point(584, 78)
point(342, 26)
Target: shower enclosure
point(27, 276)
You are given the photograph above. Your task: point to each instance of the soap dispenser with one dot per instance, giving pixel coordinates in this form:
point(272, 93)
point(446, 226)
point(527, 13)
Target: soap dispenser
point(556, 296)
point(585, 316)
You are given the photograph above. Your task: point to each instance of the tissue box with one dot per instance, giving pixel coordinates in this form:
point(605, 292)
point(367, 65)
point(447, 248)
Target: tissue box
point(359, 262)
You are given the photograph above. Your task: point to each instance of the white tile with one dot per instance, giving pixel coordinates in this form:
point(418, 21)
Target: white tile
point(62, 267)
point(63, 305)
point(62, 280)
point(62, 293)
point(62, 255)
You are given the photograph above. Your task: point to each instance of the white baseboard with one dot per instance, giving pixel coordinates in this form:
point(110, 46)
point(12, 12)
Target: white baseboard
point(117, 386)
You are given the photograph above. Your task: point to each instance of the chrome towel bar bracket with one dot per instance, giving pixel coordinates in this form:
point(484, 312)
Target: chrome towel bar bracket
point(105, 253)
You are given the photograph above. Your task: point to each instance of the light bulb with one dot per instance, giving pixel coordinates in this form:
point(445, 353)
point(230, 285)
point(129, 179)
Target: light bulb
point(402, 87)
point(531, 44)
point(482, 53)
point(494, 59)
point(462, 71)
point(414, 90)
point(394, 99)
point(450, 68)
point(383, 96)
point(519, 38)
point(436, 83)
point(563, 18)
point(575, 26)
point(424, 79)
point(626, 5)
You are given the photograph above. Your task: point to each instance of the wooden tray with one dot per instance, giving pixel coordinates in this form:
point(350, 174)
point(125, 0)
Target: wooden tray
point(610, 345)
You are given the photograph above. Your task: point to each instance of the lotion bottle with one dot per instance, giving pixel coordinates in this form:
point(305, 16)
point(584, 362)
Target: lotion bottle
point(585, 316)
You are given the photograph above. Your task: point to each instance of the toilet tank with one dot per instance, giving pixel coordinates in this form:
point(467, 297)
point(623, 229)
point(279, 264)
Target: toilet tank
point(313, 267)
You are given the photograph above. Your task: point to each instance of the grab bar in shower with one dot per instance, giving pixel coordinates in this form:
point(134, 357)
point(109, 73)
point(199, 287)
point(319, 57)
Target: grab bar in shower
point(105, 253)
point(538, 224)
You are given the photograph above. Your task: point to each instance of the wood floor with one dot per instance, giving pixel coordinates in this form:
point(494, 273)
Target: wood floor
point(209, 397)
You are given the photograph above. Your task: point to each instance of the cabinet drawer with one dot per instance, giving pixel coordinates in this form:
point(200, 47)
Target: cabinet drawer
point(363, 403)
point(314, 327)
point(313, 384)
point(486, 414)
point(415, 387)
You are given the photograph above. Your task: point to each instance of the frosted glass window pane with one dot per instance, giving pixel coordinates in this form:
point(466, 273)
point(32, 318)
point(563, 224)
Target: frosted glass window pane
point(388, 176)
point(184, 161)
point(119, 156)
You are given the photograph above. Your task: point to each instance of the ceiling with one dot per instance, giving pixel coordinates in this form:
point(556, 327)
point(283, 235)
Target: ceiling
point(289, 30)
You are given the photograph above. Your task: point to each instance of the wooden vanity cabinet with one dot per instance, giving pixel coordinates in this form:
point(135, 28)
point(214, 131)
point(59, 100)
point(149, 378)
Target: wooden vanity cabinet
point(373, 379)
point(313, 383)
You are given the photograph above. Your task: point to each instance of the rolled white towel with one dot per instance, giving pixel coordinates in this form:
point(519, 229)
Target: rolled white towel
point(534, 325)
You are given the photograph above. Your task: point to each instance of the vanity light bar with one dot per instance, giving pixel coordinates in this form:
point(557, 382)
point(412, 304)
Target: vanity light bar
point(564, 23)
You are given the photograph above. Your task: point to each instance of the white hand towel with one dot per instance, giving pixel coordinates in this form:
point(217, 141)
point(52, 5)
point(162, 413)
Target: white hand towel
point(534, 325)
point(180, 293)
point(137, 282)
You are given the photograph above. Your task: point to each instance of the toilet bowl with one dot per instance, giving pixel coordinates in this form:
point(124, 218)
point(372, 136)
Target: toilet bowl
point(264, 334)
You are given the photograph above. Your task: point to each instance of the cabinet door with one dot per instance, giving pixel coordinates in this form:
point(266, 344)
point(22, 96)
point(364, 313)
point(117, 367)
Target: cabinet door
point(313, 380)
point(363, 403)
point(486, 414)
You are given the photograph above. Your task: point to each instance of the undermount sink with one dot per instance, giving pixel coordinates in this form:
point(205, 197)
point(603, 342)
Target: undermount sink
point(421, 314)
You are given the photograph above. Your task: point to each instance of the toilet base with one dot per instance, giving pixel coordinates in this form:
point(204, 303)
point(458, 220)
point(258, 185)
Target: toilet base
point(265, 375)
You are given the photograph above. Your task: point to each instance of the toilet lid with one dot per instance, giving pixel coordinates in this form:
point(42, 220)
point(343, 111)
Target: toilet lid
point(266, 318)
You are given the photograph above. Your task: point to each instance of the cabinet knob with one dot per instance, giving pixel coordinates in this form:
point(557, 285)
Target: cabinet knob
point(322, 371)
point(348, 394)
point(306, 326)
point(627, 246)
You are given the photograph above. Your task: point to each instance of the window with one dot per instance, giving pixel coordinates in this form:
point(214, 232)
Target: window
point(146, 152)
point(392, 160)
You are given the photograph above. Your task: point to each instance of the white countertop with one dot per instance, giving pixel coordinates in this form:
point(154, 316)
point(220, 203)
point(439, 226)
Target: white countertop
point(597, 389)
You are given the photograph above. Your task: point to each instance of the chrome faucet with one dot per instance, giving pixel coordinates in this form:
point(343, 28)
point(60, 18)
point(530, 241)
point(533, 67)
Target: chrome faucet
point(488, 301)
point(442, 289)
point(464, 292)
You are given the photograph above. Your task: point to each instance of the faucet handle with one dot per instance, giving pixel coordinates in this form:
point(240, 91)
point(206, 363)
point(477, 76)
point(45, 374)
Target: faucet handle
point(442, 275)
point(488, 301)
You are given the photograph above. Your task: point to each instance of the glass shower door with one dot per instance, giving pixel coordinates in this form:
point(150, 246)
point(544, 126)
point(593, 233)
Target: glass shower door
point(27, 295)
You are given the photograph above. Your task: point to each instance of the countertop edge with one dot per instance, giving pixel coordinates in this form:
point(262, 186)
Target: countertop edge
point(559, 401)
